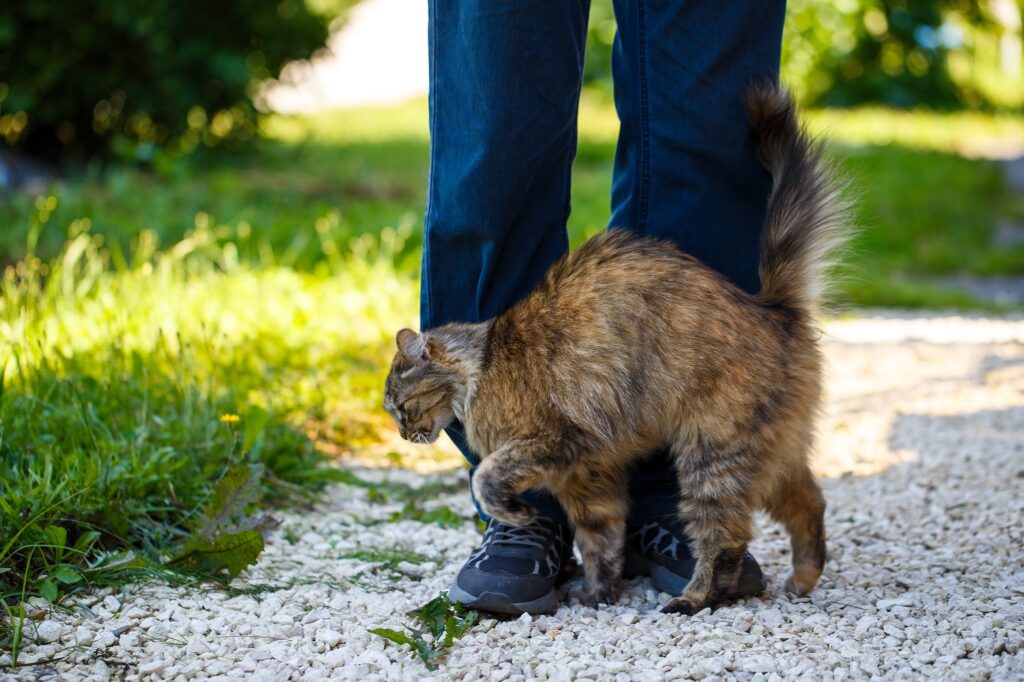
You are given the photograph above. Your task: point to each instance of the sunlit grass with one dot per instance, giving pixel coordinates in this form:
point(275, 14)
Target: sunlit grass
point(131, 384)
point(967, 132)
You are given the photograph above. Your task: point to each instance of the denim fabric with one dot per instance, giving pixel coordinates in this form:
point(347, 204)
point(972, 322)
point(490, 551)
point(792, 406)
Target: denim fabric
point(505, 80)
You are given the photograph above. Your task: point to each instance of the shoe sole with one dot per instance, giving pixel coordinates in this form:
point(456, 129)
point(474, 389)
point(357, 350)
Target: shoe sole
point(637, 565)
point(494, 602)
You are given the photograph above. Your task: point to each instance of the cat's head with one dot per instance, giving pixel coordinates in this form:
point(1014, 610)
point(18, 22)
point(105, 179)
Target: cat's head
point(421, 387)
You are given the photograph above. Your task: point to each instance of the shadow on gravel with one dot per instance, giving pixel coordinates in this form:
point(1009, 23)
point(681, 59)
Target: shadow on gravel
point(975, 435)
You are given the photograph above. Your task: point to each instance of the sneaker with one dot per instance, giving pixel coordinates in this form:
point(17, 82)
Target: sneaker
point(659, 548)
point(516, 569)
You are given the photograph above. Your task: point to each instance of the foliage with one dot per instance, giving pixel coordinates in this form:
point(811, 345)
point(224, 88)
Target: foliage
point(122, 378)
point(230, 537)
point(386, 567)
point(442, 516)
point(125, 77)
point(897, 52)
point(889, 51)
point(443, 620)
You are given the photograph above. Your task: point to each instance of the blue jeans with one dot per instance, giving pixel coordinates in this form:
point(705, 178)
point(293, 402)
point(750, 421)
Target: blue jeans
point(505, 80)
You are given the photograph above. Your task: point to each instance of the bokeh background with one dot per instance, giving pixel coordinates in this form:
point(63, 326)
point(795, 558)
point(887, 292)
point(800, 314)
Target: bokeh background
point(211, 220)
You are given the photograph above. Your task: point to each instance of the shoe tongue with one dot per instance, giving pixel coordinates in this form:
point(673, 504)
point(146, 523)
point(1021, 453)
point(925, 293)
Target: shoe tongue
point(527, 542)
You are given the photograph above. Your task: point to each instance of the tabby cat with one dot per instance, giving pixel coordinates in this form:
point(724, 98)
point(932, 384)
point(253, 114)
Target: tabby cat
point(629, 345)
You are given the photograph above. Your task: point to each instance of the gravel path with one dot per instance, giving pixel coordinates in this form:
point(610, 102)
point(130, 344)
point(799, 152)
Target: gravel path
point(923, 466)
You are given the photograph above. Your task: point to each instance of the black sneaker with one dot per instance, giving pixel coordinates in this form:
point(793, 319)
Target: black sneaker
point(659, 548)
point(516, 569)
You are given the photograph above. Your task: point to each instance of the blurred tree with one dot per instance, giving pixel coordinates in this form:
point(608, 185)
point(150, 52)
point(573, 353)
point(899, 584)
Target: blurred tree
point(943, 53)
point(894, 52)
point(122, 77)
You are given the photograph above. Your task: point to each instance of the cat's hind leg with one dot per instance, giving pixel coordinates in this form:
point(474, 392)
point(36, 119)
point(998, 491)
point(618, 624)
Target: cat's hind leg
point(799, 505)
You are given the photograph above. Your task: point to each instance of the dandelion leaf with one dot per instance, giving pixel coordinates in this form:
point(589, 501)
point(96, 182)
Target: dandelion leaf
point(229, 553)
point(239, 488)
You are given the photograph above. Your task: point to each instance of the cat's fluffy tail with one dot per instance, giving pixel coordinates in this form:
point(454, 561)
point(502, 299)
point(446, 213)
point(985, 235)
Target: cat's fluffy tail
point(807, 218)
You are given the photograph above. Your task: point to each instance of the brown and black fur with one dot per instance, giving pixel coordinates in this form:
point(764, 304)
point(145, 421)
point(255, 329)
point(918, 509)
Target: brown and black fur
point(629, 345)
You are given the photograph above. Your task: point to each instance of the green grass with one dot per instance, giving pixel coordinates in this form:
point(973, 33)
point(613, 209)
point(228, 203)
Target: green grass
point(117, 373)
point(137, 307)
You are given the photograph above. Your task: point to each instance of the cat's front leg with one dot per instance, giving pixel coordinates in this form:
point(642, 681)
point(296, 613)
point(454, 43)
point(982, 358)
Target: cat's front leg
point(601, 548)
point(503, 476)
point(597, 503)
point(715, 491)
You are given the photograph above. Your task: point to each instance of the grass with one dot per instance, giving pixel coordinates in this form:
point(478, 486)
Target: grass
point(385, 567)
point(139, 307)
point(118, 372)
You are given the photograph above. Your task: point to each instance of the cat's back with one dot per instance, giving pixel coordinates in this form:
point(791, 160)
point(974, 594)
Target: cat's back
point(621, 268)
point(623, 290)
point(618, 249)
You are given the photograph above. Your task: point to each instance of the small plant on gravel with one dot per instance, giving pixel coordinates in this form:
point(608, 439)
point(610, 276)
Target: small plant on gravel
point(441, 622)
point(386, 567)
point(442, 516)
point(388, 558)
point(230, 535)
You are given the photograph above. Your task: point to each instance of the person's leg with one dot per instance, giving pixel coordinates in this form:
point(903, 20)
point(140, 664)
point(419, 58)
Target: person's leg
point(685, 166)
point(504, 89)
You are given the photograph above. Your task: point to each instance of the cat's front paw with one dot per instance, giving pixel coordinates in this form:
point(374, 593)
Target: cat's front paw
point(594, 596)
point(498, 501)
point(683, 605)
point(512, 511)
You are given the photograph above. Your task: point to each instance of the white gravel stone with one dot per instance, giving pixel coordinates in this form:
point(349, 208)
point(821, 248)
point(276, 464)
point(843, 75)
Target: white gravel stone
point(49, 631)
point(84, 636)
point(104, 639)
point(329, 638)
point(154, 667)
point(922, 462)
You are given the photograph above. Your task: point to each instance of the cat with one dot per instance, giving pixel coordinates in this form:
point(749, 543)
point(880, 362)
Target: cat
point(629, 345)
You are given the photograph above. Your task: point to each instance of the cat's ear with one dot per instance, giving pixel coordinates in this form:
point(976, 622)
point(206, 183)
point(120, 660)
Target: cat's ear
point(413, 346)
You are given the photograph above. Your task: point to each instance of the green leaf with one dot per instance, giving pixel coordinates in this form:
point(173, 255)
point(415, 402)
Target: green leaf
point(230, 552)
point(239, 488)
point(85, 541)
point(442, 516)
point(456, 626)
point(48, 589)
point(66, 574)
point(227, 541)
point(392, 635)
point(422, 648)
point(57, 537)
point(254, 423)
point(432, 615)
point(445, 621)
